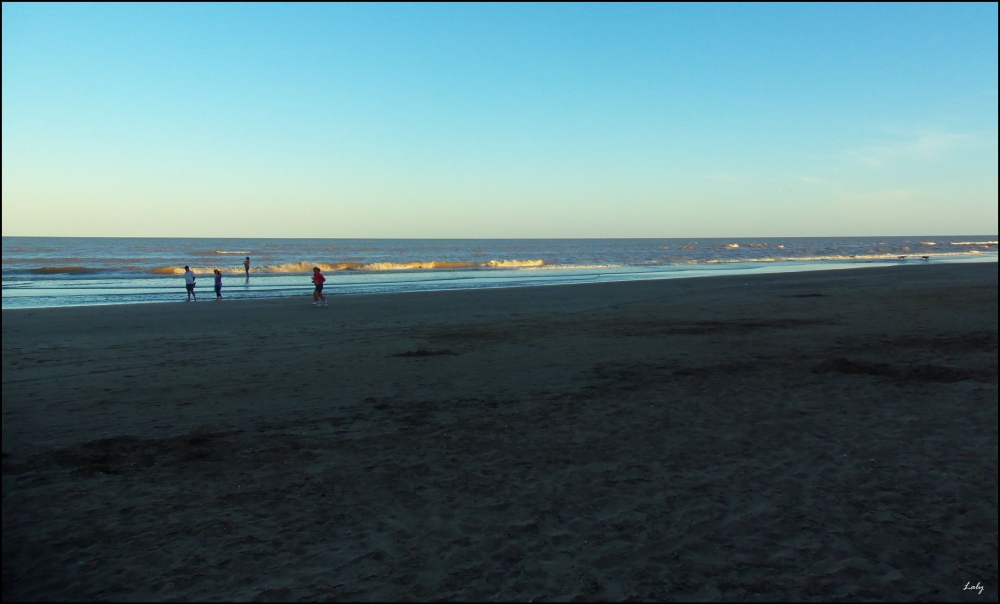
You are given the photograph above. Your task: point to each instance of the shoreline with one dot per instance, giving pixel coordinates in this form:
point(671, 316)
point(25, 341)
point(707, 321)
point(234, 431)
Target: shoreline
point(677, 272)
point(807, 435)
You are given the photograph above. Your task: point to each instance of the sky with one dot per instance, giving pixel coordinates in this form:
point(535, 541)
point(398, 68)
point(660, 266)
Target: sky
point(481, 121)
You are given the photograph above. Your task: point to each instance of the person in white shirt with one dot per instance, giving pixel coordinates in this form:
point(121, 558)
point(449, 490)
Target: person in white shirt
point(189, 283)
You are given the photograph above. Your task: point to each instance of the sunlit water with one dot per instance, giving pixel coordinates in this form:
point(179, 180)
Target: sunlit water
point(47, 271)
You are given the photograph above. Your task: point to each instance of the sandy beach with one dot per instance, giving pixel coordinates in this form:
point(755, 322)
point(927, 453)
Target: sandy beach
point(808, 436)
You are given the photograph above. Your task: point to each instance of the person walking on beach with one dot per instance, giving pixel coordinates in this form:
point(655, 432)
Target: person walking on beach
point(318, 280)
point(218, 285)
point(189, 283)
point(246, 267)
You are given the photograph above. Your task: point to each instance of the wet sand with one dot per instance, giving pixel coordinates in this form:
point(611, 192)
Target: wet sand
point(809, 436)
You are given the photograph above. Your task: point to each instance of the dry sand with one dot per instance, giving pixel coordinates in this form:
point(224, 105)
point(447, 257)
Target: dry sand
point(825, 435)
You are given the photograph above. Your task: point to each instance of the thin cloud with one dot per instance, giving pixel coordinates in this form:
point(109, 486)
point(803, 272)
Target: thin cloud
point(924, 145)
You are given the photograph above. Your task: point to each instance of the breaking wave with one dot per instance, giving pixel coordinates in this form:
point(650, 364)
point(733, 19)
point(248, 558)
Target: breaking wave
point(307, 267)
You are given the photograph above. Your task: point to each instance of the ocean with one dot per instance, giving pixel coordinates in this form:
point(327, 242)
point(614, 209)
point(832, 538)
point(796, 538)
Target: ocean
point(71, 271)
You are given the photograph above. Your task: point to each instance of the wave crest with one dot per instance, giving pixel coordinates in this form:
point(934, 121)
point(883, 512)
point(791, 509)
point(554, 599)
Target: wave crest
point(307, 267)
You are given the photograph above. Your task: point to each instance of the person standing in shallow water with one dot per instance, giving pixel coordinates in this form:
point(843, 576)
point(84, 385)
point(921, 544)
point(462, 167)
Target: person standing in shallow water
point(318, 280)
point(218, 285)
point(189, 283)
point(246, 267)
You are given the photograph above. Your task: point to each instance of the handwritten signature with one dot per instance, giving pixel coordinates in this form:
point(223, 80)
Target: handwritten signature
point(978, 588)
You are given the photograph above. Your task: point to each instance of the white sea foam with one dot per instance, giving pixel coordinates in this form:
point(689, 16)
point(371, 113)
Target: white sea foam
point(579, 266)
point(973, 242)
point(514, 263)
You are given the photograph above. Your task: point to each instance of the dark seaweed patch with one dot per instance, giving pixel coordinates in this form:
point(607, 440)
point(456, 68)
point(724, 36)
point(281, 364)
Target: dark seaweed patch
point(653, 328)
point(645, 375)
point(124, 453)
point(423, 352)
point(926, 373)
point(712, 370)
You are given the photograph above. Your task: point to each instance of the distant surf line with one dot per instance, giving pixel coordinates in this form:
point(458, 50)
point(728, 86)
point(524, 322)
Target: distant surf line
point(306, 267)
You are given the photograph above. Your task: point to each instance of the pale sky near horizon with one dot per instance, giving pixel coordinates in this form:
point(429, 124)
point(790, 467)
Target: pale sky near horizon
point(526, 120)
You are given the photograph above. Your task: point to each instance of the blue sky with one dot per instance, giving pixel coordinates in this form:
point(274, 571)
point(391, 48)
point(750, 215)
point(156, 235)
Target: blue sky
point(499, 121)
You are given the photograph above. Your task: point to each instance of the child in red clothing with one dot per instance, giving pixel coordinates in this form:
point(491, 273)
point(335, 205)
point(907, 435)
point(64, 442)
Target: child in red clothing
point(318, 280)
